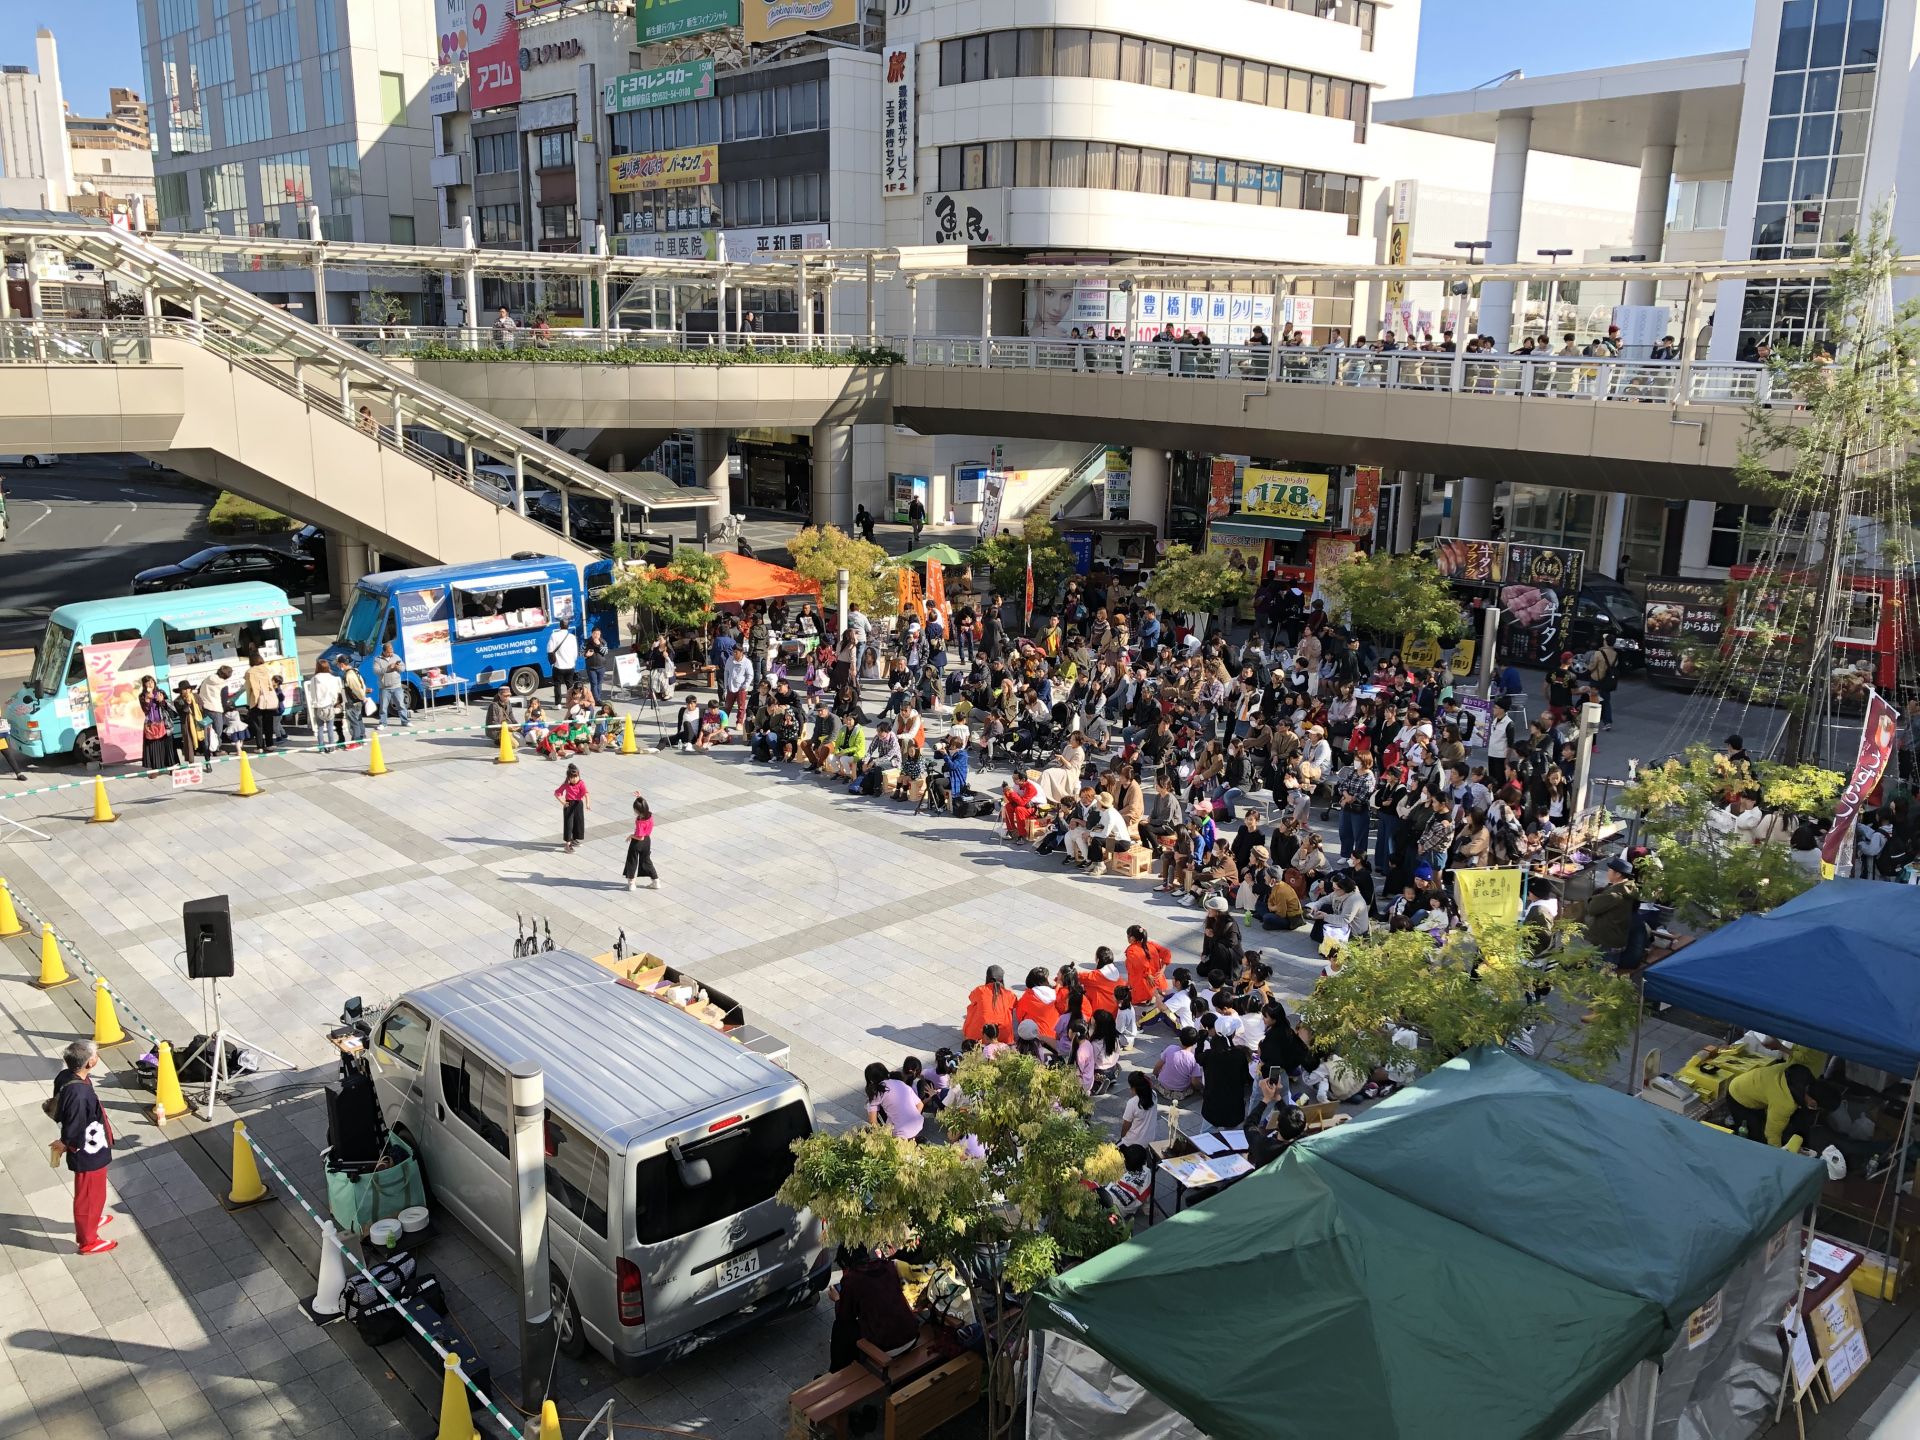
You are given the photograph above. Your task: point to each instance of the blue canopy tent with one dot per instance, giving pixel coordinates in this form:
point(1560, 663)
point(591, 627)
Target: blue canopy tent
point(1837, 968)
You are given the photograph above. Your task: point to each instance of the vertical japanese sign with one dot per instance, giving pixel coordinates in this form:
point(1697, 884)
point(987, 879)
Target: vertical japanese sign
point(493, 54)
point(113, 690)
point(996, 489)
point(1539, 593)
point(1220, 477)
point(1680, 615)
point(1366, 501)
point(898, 105)
point(1876, 752)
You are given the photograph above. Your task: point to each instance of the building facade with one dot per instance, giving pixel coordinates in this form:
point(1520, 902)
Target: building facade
point(112, 161)
point(35, 172)
point(269, 109)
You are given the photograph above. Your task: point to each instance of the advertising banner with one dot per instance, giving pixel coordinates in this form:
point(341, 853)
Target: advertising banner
point(1366, 501)
point(899, 104)
point(493, 54)
point(777, 19)
point(966, 217)
point(993, 492)
point(1681, 615)
point(113, 691)
point(426, 629)
point(443, 91)
point(1472, 562)
point(450, 21)
point(669, 85)
point(1119, 482)
point(1399, 246)
point(663, 169)
point(692, 245)
point(749, 244)
point(969, 484)
point(1876, 751)
point(1480, 712)
point(538, 7)
point(1538, 596)
point(911, 600)
point(1285, 494)
point(1488, 897)
point(1330, 552)
point(665, 19)
point(1219, 488)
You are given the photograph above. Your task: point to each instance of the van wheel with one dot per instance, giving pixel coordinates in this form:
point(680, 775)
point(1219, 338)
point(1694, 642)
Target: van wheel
point(416, 702)
point(86, 745)
point(523, 682)
point(569, 1335)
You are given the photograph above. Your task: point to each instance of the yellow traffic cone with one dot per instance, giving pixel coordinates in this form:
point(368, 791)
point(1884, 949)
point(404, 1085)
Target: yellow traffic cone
point(506, 755)
point(102, 811)
point(53, 970)
point(9, 917)
point(106, 1024)
point(456, 1416)
point(627, 747)
point(168, 1102)
point(247, 787)
point(549, 1422)
point(376, 762)
point(247, 1189)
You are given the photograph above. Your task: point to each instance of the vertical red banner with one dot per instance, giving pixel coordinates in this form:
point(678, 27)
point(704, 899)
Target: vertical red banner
point(1366, 501)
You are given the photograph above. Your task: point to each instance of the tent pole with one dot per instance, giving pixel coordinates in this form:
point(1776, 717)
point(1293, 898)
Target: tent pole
point(1653, 1402)
point(1890, 1185)
point(1639, 1019)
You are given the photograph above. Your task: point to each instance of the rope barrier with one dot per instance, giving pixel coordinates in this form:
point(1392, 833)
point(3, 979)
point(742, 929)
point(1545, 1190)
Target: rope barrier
point(121, 1004)
point(399, 1305)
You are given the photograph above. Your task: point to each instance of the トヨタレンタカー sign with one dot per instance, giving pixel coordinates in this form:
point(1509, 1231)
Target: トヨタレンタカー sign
point(663, 169)
point(669, 85)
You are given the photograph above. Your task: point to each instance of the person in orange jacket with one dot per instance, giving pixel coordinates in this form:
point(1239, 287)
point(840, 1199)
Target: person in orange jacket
point(1147, 962)
point(1100, 982)
point(1039, 1002)
point(991, 1003)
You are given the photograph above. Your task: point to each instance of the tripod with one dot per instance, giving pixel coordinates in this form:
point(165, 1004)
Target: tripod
point(217, 1062)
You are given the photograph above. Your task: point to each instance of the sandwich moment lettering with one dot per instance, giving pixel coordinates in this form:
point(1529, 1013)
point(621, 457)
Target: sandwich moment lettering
point(774, 19)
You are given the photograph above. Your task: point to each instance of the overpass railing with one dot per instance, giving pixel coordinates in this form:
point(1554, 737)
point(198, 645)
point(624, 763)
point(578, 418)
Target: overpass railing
point(404, 340)
point(1589, 377)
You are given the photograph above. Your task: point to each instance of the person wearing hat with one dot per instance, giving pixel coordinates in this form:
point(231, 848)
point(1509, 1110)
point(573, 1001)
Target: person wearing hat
point(1611, 913)
point(1106, 833)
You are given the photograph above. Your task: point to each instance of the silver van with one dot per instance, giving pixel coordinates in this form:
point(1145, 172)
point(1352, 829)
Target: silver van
point(665, 1144)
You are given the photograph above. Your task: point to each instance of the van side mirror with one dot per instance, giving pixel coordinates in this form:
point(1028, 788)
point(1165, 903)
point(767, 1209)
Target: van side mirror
point(693, 1173)
point(353, 1009)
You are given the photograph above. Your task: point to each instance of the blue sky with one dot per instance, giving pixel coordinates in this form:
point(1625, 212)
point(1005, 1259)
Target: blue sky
point(1462, 42)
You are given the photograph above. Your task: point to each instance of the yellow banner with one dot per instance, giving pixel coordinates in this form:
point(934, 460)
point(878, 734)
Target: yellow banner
point(1423, 654)
point(1285, 494)
point(776, 19)
point(1488, 897)
point(663, 169)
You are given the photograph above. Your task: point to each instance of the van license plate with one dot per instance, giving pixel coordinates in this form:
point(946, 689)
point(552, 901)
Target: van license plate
point(739, 1268)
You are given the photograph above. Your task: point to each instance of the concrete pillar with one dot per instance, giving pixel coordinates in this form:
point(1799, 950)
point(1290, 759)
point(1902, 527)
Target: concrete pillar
point(1473, 508)
point(1650, 218)
point(1406, 516)
point(1512, 137)
point(710, 469)
point(833, 476)
point(1148, 503)
point(347, 561)
point(1613, 529)
point(1695, 539)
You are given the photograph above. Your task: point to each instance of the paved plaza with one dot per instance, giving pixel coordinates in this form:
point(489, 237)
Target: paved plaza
point(851, 928)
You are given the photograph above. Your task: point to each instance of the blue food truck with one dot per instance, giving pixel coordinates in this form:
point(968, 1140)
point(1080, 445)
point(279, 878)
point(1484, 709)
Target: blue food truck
point(483, 625)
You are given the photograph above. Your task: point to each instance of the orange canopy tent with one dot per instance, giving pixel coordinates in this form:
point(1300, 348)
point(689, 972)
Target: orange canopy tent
point(747, 579)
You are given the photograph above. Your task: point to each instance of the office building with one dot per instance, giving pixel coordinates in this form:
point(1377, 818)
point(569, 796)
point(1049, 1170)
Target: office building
point(112, 161)
point(35, 172)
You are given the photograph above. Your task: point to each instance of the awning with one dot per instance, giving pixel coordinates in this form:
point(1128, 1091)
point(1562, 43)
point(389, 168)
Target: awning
point(503, 582)
point(1254, 528)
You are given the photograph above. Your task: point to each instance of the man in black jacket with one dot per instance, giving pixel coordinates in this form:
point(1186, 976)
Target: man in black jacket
point(86, 1139)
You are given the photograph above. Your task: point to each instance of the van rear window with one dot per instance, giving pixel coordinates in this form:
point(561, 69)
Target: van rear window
point(749, 1162)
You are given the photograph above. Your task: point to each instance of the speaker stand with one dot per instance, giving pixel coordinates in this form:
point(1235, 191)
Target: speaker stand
point(217, 1063)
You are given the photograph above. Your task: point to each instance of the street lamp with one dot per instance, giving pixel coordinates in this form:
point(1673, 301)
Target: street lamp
point(1553, 287)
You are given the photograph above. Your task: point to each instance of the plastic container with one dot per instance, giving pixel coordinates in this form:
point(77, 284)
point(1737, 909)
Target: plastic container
point(384, 1233)
point(413, 1219)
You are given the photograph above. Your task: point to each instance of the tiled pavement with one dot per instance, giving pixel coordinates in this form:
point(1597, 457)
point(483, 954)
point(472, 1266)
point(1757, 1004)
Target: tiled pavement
point(851, 928)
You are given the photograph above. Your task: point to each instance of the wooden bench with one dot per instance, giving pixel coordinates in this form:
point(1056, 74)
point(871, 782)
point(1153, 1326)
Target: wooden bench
point(918, 1408)
point(826, 1404)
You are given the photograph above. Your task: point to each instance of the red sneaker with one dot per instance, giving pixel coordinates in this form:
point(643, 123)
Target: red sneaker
point(99, 1247)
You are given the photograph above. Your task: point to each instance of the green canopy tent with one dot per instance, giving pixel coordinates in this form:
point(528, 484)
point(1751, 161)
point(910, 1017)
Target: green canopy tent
point(1542, 1190)
point(941, 554)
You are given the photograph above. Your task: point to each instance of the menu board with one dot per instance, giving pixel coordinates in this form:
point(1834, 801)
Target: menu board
point(1538, 594)
point(1682, 617)
point(1472, 562)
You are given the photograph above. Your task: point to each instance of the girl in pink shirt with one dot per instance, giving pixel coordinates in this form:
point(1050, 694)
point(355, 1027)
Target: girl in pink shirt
point(640, 847)
point(572, 795)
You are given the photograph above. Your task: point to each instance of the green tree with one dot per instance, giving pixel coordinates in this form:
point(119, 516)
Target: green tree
point(676, 597)
point(1005, 1222)
point(1476, 989)
point(380, 307)
point(1202, 583)
point(821, 552)
point(1005, 557)
point(1389, 596)
point(1841, 469)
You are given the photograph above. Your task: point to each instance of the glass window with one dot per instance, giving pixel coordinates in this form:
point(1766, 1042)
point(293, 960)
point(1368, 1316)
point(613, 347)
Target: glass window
point(1069, 163)
point(1126, 168)
point(1036, 52)
point(1133, 60)
point(1782, 135)
point(1851, 136)
point(952, 63)
point(1787, 90)
point(1863, 36)
point(1153, 172)
point(1823, 90)
point(1179, 174)
point(1253, 83)
point(1229, 78)
point(393, 98)
point(333, 105)
point(1796, 33)
point(1317, 92)
point(1206, 75)
point(752, 115)
point(1003, 54)
point(1776, 178)
point(400, 229)
point(403, 1035)
point(296, 98)
point(973, 166)
point(1104, 63)
point(783, 110)
point(1072, 52)
point(1816, 135)
point(1182, 69)
point(1099, 165)
point(950, 167)
point(1030, 163)
point(1829, 33)
point(577, 1173)
point(999, 164)
point(1299, 91)
point(1159, 65)
point(1313, 191)
point(475, 1091)
point(1248, 191)
point(1810, 179)
point(748, 1163)
point(976, 57)
point(1340, 99)
point(1856, 90)
point(1847, 175)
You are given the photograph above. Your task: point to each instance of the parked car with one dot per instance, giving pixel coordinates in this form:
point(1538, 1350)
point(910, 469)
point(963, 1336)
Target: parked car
point(30, 462)
point(226, 564)
point(1606, 607)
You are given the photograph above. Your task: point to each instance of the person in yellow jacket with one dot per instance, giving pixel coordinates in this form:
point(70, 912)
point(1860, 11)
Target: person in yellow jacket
point(1772, 1102)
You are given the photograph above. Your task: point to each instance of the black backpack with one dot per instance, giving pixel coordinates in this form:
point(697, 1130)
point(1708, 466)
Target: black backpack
point(870, 781)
